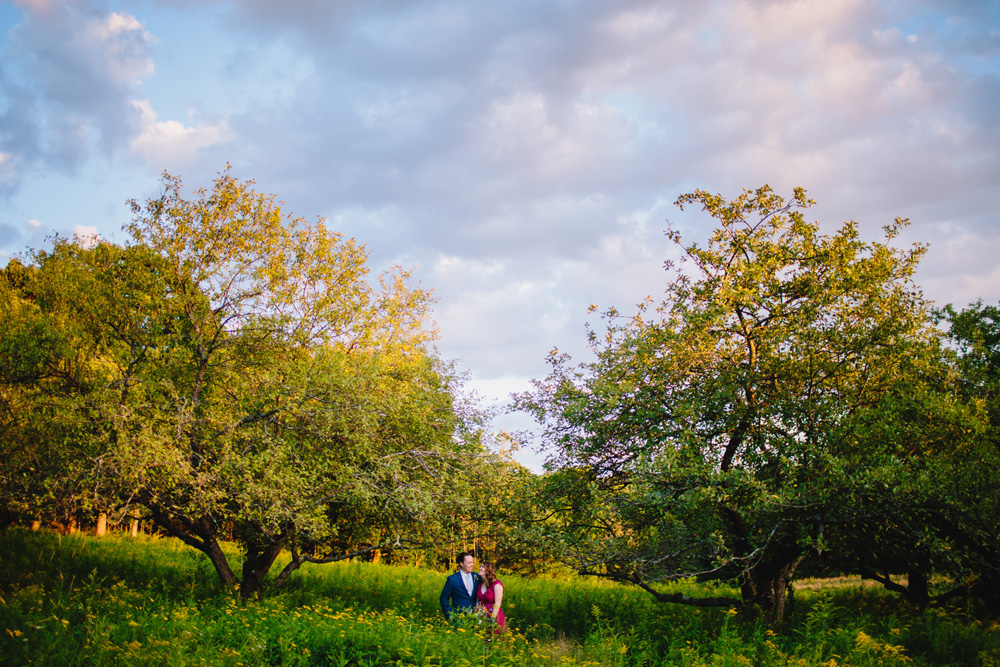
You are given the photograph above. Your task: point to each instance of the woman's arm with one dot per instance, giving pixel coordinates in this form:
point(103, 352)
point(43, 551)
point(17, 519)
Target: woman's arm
point(498, 597)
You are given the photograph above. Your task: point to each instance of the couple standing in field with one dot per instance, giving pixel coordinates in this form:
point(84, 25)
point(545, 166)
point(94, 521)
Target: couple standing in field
point(465, 591)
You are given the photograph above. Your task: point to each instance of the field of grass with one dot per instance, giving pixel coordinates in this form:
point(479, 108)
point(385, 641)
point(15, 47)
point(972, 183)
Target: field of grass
point(81, 600)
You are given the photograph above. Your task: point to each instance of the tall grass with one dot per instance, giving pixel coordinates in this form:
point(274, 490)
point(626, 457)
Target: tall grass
point(118, 601)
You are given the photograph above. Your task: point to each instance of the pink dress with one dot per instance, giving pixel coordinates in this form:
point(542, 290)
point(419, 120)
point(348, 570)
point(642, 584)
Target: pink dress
point(488, 599)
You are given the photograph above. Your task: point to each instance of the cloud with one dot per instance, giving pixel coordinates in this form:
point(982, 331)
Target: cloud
point(67, 73)
point(525, 155)
point(86, 235)
point(512, 139)
point(170, 144)
point(44, 8)
point(960, 265)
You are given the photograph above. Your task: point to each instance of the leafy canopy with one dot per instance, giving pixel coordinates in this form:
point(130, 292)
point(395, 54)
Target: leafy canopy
point(235, 371)
point(717, 432)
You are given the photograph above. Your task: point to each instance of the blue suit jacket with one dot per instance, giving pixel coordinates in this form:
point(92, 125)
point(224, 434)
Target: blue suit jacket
point(454, 596)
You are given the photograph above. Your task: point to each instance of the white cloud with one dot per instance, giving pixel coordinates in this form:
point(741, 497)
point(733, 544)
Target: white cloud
point(122, 44)
point(86, 235)
point(547, 141)
point(67, 72)
point(171, 143)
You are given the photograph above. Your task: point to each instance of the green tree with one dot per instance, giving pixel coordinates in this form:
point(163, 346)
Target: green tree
point(54, 355)
point(907, 501)
point(716, 434)
point(235, 372)
point(971, 529)
point(975, 335)
point(499, 506)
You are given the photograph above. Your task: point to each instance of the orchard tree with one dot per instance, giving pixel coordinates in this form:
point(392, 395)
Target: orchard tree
point(934, 510)
point(500, 506)
point(54, 359)
point(236, 371)
point(721, 433)
point(973, 533)
point(975, 335)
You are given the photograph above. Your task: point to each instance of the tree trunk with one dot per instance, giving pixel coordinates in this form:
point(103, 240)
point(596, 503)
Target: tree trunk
point(766, 587)
point(287, 572)
point(134, 527)
point(102, 525)
point(198, 534)
point(918, 592)
point(214, 553)
point(36, 524)
point(255, 569)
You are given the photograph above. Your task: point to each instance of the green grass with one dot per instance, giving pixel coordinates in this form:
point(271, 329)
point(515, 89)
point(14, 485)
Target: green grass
point(81, 600)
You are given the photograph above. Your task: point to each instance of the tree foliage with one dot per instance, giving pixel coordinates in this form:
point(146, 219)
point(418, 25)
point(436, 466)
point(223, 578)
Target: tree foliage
point(757, 415)
point(971, 527)
point(234, 370)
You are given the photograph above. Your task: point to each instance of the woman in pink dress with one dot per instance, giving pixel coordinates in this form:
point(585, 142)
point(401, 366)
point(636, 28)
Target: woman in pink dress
point(490, 594)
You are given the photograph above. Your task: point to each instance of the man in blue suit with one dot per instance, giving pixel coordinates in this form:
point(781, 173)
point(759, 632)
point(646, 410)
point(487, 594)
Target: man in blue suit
point(459, 594)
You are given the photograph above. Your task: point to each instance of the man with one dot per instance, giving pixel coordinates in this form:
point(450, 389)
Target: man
point(459, 594)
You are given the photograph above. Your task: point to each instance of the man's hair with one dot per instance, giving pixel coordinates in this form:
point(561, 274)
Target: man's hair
point(460, 558)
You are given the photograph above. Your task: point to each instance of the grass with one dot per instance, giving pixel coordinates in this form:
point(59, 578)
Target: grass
point(80, 600)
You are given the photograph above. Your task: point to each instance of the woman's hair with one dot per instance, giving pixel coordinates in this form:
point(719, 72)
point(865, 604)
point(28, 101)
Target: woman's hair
point(490, 573)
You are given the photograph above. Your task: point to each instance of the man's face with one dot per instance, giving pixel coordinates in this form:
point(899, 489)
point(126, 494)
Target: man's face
point(468, 564)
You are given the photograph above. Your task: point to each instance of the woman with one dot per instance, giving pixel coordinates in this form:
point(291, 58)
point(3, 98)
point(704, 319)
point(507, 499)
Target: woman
point(490, 594)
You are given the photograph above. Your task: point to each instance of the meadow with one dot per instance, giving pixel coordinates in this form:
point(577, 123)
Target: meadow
point(116, 600)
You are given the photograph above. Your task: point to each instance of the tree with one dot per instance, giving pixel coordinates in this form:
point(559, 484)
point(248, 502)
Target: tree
point(909, 504)
point(234, 370)
point(975, 334)
point(498, 509)
point(717, 434)
point(971, 527)
point(51, 360)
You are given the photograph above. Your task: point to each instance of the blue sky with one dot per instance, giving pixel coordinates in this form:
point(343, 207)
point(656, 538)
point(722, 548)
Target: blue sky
point(523, 156)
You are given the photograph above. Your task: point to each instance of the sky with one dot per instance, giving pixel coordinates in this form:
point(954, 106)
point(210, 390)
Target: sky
point(522, 157)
